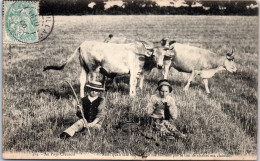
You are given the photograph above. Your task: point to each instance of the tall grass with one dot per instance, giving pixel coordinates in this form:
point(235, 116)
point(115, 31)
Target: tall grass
point(37, 106)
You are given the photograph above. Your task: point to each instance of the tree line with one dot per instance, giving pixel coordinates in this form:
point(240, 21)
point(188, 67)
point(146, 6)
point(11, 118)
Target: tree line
point(138, 7)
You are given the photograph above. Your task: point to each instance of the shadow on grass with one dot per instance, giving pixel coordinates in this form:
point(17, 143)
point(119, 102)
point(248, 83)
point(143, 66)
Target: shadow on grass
point(65, 92)
point(62, 121)
point(177, 83)
point(247, 77)
point(248, 123)
point(121, 86)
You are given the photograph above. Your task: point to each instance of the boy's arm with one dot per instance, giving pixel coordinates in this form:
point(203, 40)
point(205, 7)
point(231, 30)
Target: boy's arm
point(173, 108)
point(78, 113)
point(150, 106)
point(101, 113)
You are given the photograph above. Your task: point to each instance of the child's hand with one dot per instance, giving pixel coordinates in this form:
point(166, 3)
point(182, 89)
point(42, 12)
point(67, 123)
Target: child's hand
point(159, 104)
point(78, 108)
point(166, 104)
point(78, 113)
point(90, 124)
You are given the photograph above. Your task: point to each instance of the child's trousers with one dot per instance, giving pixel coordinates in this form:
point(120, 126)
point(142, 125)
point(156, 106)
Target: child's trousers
point(78, 126)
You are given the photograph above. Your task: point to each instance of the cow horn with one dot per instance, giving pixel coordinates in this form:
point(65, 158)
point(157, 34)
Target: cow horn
point(149, 52)
point(230, 56)
point(148, 47)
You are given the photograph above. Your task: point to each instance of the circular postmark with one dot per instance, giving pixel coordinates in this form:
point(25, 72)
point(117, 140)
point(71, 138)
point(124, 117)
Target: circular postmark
point(46, 24)
point(23, 23)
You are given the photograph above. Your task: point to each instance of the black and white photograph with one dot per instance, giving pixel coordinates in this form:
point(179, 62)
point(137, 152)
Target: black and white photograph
point(130, 79)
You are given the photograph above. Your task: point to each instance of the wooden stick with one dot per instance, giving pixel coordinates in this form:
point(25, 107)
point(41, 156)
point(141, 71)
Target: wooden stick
point(80, 107)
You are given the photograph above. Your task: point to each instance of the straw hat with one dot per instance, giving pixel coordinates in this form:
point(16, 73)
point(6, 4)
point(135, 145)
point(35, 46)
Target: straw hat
point(95, 85)
point(164, 82)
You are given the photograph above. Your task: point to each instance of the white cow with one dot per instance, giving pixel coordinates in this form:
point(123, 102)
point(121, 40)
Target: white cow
point(111, 58)
point(197, 61)
point(158, 48)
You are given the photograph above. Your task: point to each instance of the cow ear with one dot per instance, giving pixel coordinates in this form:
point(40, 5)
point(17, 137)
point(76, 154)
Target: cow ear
point(164, 41)
point(172, 42)
point(110, 36)
point(170, 53)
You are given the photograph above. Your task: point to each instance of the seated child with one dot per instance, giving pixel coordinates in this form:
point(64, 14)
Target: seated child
point(163, 111)
point(93, 108)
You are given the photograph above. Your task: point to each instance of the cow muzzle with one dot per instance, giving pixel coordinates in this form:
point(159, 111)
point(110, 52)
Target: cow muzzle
point(159, 66)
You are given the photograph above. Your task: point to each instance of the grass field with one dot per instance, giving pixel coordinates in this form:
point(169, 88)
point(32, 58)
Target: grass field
point(37, 105)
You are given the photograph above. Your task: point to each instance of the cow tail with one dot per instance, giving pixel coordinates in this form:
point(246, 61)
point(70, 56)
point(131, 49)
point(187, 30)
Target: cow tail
point(56, 67)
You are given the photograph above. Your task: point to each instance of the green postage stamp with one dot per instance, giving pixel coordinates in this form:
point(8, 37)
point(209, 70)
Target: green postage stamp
point(21, 21)
point(23, 24)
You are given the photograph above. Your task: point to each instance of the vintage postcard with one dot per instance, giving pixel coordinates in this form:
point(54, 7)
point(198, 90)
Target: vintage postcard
point(130, 80)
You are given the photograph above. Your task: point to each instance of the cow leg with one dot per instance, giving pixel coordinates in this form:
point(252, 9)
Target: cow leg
point(141, 81)
point(165, 72)
point(89, 77)
point(133, 82)
point(206, 85)
point(114, 82)
point(104, 81)
point(94, 76)
point(193, 74)
point(166, 69)
point(83, 77)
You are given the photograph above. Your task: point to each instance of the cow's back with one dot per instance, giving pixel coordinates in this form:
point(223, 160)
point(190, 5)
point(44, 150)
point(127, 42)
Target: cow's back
point(116, 58)
point(188, 57)
point(119, 40)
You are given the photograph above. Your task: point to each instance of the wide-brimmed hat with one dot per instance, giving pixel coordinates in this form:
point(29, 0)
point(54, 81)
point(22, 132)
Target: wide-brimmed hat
point(164, 82)
point(95, 85)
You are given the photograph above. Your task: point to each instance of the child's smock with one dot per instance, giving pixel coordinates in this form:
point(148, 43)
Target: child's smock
point(162, 108)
